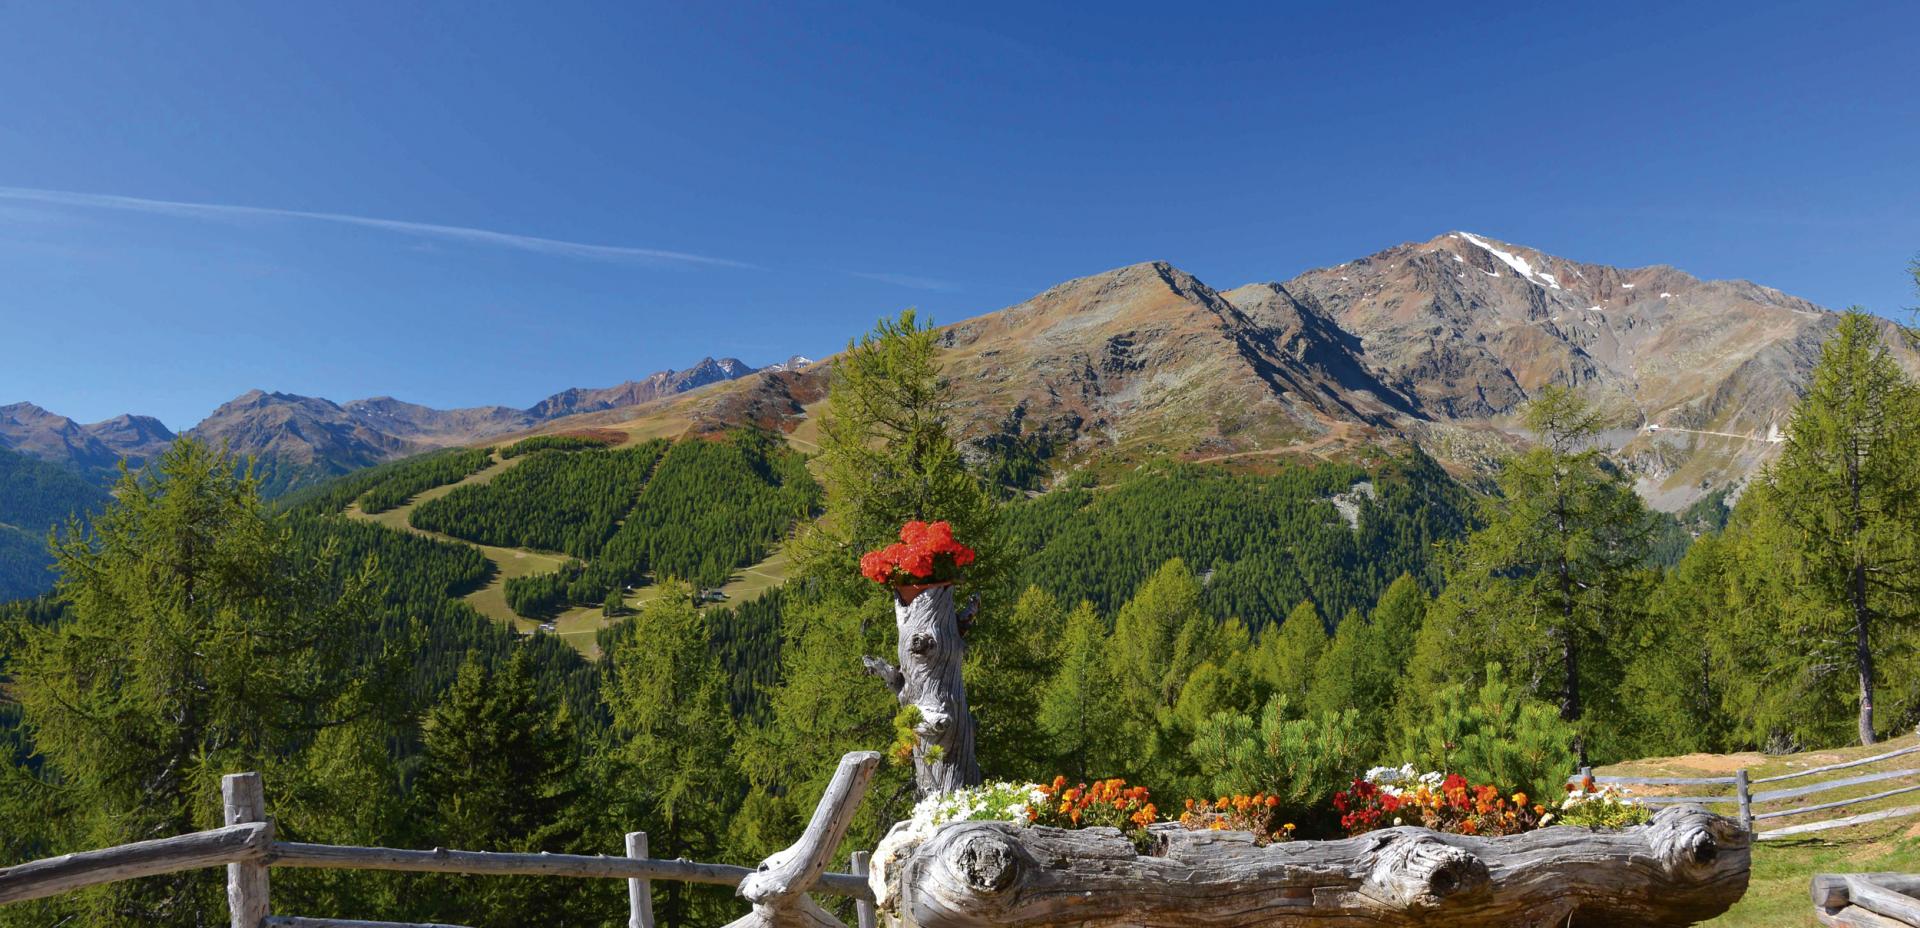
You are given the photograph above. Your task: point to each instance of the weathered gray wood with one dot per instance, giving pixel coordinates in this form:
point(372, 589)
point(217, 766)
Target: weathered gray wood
point(1685, 800)
point(1810, 771)
point(778, 889)
point(639, 891)
point(492, 863)
point(1743, 791)
point(1798, 791)
point(928, 678)
point(245, 802)
point(1833, 823)
point(1663, 781)
point(1855, 917)
point(1685, 866)
point(1838, 803)
point(862, 910)
point(1831, 890)
point(294, 921)
point(55, 875)
point(1879, 898)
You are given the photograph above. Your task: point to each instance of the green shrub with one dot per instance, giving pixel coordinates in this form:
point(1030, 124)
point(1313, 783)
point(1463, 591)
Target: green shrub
point(1496, 735)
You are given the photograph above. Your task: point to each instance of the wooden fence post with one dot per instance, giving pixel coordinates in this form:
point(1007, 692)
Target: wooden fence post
point(1745, 796)
point(862, 909)
point(639, 892)
point(246, 803)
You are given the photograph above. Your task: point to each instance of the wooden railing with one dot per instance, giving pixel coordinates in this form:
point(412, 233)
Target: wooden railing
point(1746, 799)
point(247, 848)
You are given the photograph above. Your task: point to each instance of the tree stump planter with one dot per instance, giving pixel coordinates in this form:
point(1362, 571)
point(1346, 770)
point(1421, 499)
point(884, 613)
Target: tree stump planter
point(928, 679)
point(1685, 866)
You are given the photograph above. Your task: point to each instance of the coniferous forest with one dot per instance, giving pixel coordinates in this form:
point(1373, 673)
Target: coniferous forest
point(1195, 631)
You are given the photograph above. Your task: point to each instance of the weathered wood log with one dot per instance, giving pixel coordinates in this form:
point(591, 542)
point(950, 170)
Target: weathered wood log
point(1867, 899)
point(928, 679)
point(1685, 866)
point(55, 875)
point(778, 889)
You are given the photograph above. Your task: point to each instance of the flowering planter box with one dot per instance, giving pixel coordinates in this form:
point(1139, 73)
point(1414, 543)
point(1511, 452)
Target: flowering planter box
point(1685, 866)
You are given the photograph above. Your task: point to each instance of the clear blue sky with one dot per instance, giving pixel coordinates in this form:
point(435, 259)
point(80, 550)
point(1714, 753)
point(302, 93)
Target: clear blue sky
point(575, 195)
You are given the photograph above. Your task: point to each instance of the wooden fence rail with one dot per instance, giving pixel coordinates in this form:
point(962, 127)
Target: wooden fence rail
point(246, 847)
point(1745, 798)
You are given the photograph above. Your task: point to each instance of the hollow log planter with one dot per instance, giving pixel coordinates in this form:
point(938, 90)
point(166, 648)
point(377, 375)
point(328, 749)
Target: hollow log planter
point(1683, 867)
point(928, 679)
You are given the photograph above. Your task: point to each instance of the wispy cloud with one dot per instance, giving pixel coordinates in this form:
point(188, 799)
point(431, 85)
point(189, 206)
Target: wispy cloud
point(907, 280)
point(425, 230)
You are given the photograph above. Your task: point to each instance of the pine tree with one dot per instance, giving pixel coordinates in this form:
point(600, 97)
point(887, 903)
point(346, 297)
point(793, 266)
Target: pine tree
point(1493, 734)
point(197, 641)
point(498, 773)
point(1847, 488)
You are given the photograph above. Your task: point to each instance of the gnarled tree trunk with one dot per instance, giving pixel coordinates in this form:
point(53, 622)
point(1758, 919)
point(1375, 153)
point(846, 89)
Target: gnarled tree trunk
point(928, 679)
point(1685, 866)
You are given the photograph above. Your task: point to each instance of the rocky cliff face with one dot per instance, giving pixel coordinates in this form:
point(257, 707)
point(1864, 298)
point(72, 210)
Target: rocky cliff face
point(1147, 360)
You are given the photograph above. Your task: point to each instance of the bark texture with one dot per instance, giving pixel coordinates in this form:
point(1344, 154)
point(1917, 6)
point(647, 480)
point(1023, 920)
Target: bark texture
point(928, 679)
point(1685, 866)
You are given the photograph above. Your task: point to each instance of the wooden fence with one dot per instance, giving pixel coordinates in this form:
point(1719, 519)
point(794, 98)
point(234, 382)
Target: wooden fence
point(247, 848)
point(1747, 799)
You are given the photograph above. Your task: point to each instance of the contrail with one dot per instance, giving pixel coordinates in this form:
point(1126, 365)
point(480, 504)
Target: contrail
point(218, 211)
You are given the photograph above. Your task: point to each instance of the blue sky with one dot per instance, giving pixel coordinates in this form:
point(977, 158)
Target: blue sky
point(470, 203)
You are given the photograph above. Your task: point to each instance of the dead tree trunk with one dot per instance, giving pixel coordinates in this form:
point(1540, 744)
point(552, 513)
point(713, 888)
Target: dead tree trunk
point(1685, 866)
point(928, 679)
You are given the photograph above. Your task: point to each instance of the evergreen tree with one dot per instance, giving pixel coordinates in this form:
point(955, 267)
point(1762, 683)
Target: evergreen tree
point(1009, 661)
point(668, 697)
point(1848, 490)
point(196, 642)
point(499, 773)
point(1494, 734)
point(1289, 655)
point(1555, 577)
point(888, 455)
point(1076, 705)
point(1159, 638)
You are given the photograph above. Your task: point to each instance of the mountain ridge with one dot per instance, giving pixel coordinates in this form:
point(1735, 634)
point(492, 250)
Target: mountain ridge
point(1438, 342)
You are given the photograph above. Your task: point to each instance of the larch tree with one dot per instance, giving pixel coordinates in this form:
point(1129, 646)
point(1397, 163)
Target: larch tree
point(1556, 572)
point(1847, 486)
point(196, 641)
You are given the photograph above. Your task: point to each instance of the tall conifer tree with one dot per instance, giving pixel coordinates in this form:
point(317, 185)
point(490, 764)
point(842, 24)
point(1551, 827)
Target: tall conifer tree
point(1847, 486)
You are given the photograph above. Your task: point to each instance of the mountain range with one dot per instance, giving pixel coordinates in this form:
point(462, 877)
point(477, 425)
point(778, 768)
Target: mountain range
point(298, 439)
point(1437, 342)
